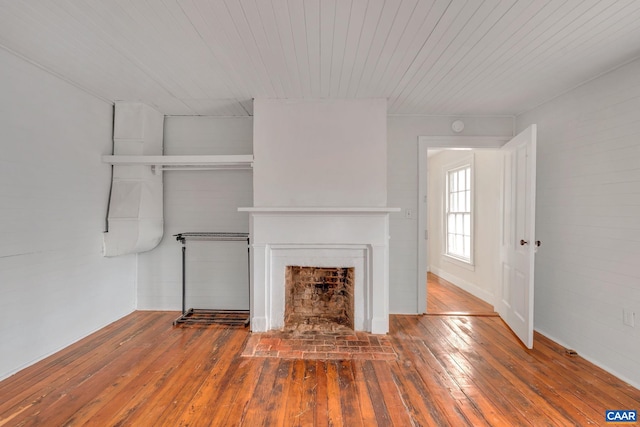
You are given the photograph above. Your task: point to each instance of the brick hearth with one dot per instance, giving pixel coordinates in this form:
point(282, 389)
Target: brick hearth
point(314, 345)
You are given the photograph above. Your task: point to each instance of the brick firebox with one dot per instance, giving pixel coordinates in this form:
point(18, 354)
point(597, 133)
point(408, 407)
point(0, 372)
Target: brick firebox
point(319, 298)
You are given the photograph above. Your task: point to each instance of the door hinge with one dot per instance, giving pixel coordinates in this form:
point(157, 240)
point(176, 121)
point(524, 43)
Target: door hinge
point(426, 234)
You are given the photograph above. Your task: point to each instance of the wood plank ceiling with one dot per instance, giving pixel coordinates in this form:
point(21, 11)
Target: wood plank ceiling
point(211, 57)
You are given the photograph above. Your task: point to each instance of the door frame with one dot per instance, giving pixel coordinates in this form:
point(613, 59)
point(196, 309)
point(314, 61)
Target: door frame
point(424, 144)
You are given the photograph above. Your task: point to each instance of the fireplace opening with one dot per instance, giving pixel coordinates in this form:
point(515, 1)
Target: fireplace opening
point(319, 299)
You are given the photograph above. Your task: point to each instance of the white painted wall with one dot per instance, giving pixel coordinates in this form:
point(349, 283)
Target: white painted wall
point(480, 280)
point(201, 201)
point(320, 152)
point(588, 219)
point(55, 285)
point(402, 173)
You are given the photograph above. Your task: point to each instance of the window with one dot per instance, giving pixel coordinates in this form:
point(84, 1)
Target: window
point(459, 213)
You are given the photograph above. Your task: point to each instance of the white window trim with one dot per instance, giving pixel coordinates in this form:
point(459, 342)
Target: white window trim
point(466, 160)
point(459, 262)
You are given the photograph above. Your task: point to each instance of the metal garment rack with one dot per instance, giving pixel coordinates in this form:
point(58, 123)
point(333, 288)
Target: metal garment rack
point(208, 316)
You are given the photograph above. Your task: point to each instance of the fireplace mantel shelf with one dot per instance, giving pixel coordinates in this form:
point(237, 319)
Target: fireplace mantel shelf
point(312, 209)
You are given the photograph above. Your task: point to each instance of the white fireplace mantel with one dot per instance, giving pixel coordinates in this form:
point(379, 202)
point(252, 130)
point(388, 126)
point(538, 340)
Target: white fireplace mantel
point(320, 236)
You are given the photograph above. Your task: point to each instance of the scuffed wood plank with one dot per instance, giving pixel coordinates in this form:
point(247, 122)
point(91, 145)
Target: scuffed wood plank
point(398, 413)
point(351, 411)
point(322, 396)
point(275, 410)
point(309, 394)
point(261, 402)
point(334, 411)
point(372, 412)
point(294, 398)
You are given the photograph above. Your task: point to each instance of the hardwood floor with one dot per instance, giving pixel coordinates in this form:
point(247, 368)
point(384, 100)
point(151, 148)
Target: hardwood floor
point(443, 297)
point(452, 370)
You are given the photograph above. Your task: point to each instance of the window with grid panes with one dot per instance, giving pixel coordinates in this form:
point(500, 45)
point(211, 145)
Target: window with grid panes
point(458, 241)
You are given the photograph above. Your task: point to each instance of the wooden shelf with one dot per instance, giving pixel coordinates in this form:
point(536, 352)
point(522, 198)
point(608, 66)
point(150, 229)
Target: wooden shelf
point(191, 162)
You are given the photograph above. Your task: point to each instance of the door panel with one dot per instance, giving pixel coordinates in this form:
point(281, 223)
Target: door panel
point(518, 234)
point(505, 297)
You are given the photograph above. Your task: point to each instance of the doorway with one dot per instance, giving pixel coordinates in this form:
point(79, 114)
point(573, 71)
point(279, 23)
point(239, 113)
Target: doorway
point(463, 223)
point(513, 290)
point(425, 144)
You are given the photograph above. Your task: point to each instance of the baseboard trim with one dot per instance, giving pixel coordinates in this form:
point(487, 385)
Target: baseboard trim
point(588, 358)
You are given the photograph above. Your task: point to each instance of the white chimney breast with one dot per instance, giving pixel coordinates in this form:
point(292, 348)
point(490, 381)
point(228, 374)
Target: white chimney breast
point(320, 200)
point(320, 153)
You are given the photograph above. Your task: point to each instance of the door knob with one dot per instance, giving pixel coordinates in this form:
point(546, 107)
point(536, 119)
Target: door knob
point(523, 242)
point(538, 243)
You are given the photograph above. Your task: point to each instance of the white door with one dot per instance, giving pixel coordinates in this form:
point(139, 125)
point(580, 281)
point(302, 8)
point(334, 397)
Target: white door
point(515, 302)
